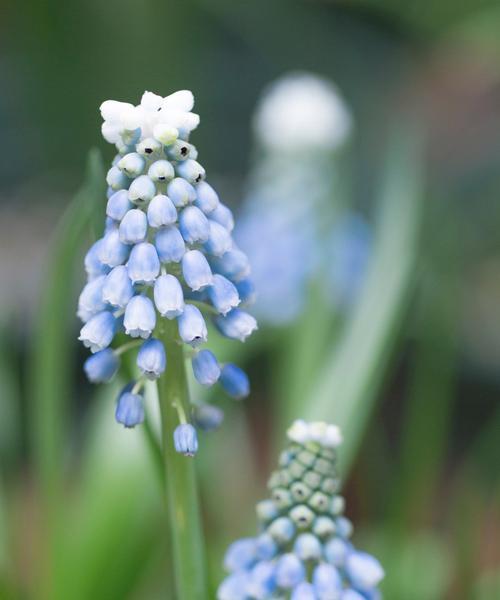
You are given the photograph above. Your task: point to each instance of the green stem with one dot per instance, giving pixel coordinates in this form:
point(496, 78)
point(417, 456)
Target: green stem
point(181, 487)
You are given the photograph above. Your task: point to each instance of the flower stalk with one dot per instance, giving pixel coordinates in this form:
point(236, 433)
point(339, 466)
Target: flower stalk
point(167, 248)
point(180, 480)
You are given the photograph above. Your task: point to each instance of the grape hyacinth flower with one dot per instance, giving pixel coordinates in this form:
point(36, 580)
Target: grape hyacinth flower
point(303, 550)
point(166, 263)
point(300, 125)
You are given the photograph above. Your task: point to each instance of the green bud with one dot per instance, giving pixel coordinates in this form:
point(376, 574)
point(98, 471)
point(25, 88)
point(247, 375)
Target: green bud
point(330, 485)
point(302, 516)
point(285, 478)
point(323, 527)
point(296, 470)
point(285, 459)
point(300, 491)
point(313, 447)
point(148, 147)
point(282, 498)
point(306, 458)
point(328, 454)
point(312, 479)
point(319, 502)
point(322, 466)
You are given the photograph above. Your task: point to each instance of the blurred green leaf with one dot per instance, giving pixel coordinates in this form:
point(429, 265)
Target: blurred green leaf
point(488, 586)
point(417, 567)
point(353, 371)
point(218, 486)
point(300, 353)
point(52, 347)
point(431, 395)
point(10, 406)
point(436, 16)
point(4, 534)
point(483, 455)
point(52, 352)
point(111, 530)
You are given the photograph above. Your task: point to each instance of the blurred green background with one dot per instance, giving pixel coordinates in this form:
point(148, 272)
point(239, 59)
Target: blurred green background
point(411, 372)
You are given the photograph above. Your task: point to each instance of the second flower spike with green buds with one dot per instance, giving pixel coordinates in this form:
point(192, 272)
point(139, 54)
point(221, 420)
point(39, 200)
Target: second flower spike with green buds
point(303, 550)
point(167, 253)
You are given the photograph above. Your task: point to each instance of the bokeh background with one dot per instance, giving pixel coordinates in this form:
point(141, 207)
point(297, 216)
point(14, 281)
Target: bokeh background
point(407, 361)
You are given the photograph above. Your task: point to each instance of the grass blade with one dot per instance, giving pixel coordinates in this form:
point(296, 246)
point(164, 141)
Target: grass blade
point(52, 353)
point(353, 372)
point(52, 342)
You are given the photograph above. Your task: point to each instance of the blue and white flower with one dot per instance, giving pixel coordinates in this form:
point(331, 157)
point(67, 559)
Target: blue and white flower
point(91, 299)
point(167, 238)
point(235, 381)
point(186, 439)
point(133, 227)
point(129, 408)
point(102, 366)
point(118, 288)
point(161, 211)
point(192, 326)
point(152, 359)
point(168, 296)
point(292, 226)
point(301, 552)
point(223, 294)
point(206, 369)
point(140, 317)
point(98, 332)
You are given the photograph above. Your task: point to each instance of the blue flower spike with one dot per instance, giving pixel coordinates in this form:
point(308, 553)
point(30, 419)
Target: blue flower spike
point(167, 253)
point(292, 557)
point(290, 196)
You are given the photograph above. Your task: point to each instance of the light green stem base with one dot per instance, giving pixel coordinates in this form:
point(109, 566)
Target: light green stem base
point(180, 479)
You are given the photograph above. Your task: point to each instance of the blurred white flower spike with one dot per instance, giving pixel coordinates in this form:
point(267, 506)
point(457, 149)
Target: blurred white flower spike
point(293, 208)
point(302, 110)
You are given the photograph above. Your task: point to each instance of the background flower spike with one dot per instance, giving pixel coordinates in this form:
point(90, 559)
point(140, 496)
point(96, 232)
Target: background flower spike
point(303, 551)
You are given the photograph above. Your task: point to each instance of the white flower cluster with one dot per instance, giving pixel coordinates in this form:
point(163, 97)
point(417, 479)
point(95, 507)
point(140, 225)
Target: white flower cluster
point(320, 432)
point(300, 111)
point(165, 119)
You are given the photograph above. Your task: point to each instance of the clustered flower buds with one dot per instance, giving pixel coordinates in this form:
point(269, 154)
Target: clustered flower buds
point(293, 205)
point(167, 253)
point(303, 551)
